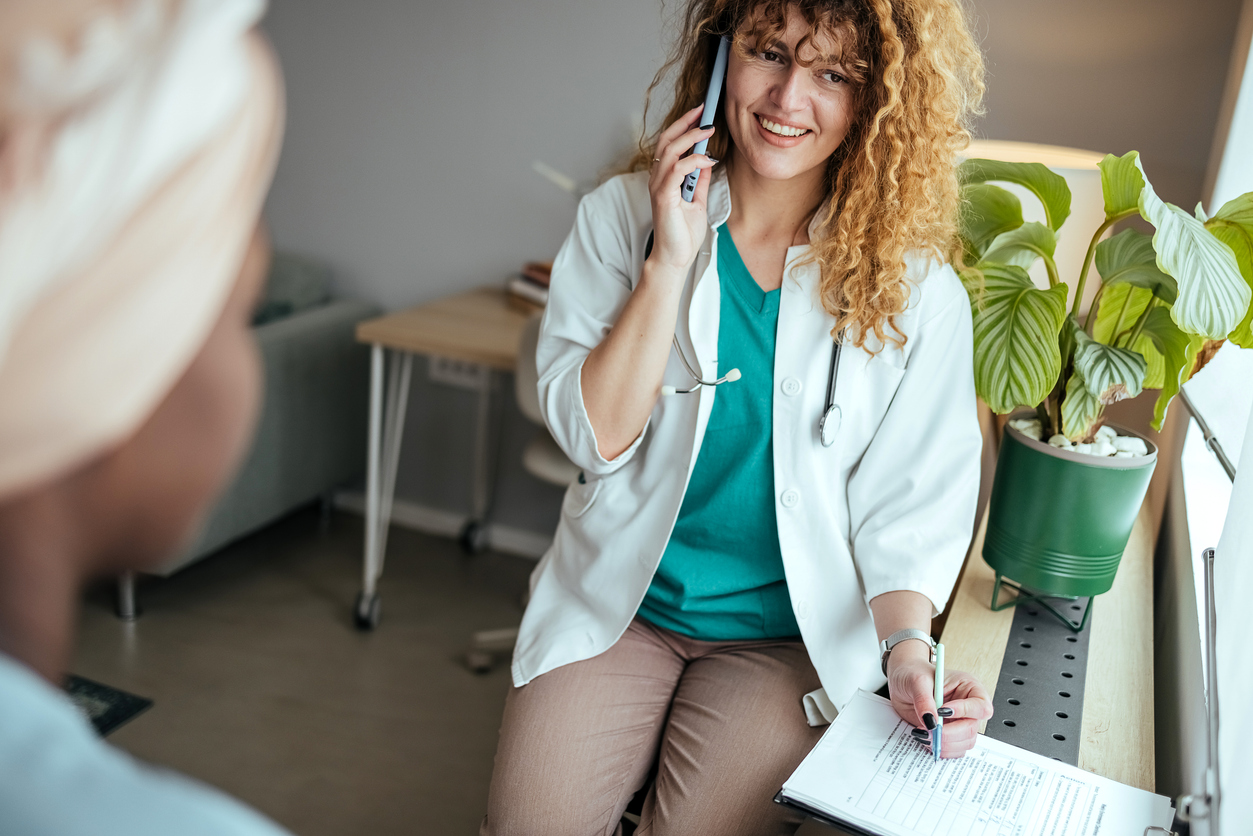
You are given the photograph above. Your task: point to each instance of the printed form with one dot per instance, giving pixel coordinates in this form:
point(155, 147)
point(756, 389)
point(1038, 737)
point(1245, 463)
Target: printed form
point(868, 771)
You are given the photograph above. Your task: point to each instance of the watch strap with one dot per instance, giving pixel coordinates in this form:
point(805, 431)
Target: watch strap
point(885, 646)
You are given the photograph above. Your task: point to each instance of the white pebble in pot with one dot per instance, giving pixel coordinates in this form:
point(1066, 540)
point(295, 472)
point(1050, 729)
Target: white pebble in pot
point(1132, 445)
point(1102, 447)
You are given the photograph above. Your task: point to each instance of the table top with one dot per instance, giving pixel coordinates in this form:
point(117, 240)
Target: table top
point(1117, 731)
point(479, 326)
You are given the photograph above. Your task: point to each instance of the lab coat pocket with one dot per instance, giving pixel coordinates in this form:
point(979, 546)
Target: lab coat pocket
point(580, 496)
point(874, 394)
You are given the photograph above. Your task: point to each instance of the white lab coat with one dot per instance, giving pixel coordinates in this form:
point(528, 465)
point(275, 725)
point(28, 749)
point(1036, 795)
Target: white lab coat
point(889, 506)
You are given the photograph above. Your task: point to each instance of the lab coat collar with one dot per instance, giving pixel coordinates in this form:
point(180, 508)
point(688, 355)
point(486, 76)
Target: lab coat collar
point(718, 204)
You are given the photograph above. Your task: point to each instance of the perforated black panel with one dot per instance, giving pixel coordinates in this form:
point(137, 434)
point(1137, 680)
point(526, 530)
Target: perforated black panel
point(1039, 696)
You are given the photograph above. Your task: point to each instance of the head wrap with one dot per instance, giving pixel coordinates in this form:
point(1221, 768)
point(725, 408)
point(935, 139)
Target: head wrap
point(131, 180)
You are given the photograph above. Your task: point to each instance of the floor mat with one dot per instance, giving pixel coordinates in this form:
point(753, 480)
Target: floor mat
point(107, 708)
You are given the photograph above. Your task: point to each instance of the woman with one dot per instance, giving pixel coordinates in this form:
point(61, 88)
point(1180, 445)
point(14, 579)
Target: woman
point(137, 140)
point(725, 569)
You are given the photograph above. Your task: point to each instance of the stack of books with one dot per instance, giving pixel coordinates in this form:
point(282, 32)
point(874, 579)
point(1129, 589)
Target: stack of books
point(529, 289)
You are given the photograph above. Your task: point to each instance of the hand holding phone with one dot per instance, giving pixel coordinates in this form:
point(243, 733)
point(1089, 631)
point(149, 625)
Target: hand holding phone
point(707, 115)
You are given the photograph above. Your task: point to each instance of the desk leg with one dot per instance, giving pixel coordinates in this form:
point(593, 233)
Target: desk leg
point(387, 425)
point(474, 534)
point(397, 404)
point(366, 612)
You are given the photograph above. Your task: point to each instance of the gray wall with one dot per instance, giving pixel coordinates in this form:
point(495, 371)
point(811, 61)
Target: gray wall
point(412, 127)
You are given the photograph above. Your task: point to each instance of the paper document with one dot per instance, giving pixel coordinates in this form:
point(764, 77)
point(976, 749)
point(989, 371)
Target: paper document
point(869, 772)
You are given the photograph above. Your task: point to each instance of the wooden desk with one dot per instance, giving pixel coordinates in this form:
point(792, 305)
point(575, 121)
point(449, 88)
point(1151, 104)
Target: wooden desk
point(478, 327)
point(1117, 732)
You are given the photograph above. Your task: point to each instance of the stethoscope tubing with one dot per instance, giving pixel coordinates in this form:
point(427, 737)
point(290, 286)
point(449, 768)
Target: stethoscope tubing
point(829, 410)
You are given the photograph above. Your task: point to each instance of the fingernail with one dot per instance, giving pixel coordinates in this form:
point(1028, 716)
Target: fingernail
point(712, 160)
point(920, 734)
point(944, 711)
point(706, 127)
point(928, 720)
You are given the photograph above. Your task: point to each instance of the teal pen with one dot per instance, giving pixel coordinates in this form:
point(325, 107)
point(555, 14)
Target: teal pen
point(937, 732)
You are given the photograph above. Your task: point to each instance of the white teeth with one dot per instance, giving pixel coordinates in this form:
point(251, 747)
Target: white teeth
point(781, 130)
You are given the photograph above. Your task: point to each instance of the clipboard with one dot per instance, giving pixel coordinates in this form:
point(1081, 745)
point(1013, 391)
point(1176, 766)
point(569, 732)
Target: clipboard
point(823, 818)
point(856, 830)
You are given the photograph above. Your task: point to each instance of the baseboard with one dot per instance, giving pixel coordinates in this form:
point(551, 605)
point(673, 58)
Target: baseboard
point(441, 523)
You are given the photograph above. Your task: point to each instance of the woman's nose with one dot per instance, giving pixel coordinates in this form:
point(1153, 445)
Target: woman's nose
point(791, 91)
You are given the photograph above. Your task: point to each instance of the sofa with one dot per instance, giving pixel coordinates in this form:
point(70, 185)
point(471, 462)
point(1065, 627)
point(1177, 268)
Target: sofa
point(311, 435)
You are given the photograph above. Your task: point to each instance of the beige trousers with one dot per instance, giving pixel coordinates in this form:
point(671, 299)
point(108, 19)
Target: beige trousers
point(721, 722)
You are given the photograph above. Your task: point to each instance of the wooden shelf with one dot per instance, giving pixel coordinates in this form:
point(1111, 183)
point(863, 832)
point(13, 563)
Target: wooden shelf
point(1117, 733)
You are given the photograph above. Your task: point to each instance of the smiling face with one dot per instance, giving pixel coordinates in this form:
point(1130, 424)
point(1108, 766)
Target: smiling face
point(789, 103)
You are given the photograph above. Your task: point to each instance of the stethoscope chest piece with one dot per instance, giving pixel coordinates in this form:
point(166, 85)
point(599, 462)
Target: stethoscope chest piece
point(829, 425)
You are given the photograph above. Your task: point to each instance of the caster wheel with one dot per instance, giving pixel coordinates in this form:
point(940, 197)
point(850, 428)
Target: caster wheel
point(365, 616)
point(479, 661)
point(473, 538)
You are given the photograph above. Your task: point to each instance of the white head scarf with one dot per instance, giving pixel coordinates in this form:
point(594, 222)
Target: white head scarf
point(137, 165)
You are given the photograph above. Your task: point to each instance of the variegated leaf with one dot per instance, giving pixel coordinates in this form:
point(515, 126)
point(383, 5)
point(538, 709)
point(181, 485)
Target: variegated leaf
point(1080, 409)
point(1121, 183)
point(1233, 225)
point(1213, 296)
point(1017, 358)
point(1111, 374)
point(1129, 257)
point(986, 212)
point(1179, 355)
point(1050, 187)
point(1127, 302)
point(1022, 246)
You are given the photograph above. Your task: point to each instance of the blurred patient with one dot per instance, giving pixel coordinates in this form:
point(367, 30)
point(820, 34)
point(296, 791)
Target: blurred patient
point(137, 139)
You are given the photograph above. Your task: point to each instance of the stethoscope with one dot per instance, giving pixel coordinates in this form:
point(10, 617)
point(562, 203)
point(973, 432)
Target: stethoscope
point(828, 422)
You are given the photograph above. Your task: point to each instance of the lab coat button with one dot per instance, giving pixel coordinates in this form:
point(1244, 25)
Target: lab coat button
point(802, 610)
point(790, 498)
point(791, 386)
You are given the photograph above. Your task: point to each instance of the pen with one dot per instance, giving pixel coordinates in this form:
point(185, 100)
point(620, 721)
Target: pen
point(937, 732)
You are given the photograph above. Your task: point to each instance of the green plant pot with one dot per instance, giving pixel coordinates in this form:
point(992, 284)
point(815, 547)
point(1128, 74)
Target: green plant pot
point(1058, 521)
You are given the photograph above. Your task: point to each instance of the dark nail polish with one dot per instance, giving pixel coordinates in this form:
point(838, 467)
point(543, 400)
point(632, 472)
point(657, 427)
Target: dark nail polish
point(706, 127)
point(928, 720)
point(712, 160)
point(919, 734)
point(944, 712)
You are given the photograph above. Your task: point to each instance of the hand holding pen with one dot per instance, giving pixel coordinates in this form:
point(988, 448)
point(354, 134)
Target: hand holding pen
point(963, 702)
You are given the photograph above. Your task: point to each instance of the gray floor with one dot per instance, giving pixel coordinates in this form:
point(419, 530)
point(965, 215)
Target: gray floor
point(263, 688)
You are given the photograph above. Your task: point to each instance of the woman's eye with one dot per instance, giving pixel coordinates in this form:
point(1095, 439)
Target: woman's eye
point(769, 56)
point(833, 77)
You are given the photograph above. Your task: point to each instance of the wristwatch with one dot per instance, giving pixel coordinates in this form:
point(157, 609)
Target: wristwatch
point(885, 646)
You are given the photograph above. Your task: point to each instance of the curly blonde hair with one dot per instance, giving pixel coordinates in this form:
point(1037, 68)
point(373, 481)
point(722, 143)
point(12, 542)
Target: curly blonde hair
point(892, 185)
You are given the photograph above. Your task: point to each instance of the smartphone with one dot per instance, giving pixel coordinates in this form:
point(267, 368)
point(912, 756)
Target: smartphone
point(707, 115)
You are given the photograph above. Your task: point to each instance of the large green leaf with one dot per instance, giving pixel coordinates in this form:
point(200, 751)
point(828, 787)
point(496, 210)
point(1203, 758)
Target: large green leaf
point(1233, 225)
point(1129, 301)
point(1016, 324)
point(987, 211)
point(1121, 183)
point(1213, 296)
point(1037, 178)
point(1129, 257)
point(1022, 246)
point(1109, 373)
point(1237, 210)
point(1080, 409)
point(1178, 350)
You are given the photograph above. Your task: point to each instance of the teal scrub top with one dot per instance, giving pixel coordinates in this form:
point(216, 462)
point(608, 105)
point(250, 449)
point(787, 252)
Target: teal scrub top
point(721, 575)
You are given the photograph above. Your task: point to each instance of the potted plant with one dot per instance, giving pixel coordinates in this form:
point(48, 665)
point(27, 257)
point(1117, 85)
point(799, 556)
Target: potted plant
point(1068, 488)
